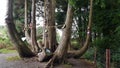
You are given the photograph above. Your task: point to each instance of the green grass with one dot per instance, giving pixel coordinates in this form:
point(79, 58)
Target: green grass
point(13, 58)
point(5, 51)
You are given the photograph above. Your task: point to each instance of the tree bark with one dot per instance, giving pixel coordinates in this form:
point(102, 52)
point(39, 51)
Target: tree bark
point(22, 49)
point(80, 52)
point(26, 27)
point(61, 51)
point(45, 31)
point(49, 34)
point(50, 39)
point(51, 26)
point(33, 28)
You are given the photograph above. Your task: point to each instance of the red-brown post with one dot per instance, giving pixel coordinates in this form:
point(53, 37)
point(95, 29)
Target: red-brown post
point(107, 58)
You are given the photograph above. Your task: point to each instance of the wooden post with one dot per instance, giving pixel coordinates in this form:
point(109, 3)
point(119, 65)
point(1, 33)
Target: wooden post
point(95, 57)
point(107, 58)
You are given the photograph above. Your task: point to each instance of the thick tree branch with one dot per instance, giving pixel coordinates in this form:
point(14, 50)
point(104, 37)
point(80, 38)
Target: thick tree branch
point(80, 52)
point(27, 35)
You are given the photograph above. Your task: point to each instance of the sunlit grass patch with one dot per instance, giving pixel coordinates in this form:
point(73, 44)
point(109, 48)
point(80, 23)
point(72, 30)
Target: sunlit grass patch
point(13, 58)
point(5, 51)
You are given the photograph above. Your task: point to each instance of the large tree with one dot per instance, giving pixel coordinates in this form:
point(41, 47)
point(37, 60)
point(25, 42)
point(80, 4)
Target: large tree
point(21, 47)
point(60, 53)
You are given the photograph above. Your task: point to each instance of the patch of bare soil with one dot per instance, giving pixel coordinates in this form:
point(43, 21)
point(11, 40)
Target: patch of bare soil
point(23, 63)
point(33, 63)
point(77, 63)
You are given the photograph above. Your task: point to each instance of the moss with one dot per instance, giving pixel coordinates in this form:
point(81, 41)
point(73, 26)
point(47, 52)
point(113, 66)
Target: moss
point(13, 58)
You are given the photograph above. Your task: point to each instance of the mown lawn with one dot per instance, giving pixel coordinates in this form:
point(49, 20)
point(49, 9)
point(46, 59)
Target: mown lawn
point(5, 51)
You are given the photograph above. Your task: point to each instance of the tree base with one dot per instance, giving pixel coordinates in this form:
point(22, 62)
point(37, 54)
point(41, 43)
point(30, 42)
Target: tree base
point(55, 60)
point(43, 56)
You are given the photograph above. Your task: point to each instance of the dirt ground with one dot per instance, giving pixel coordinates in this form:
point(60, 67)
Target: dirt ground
point(33, 63)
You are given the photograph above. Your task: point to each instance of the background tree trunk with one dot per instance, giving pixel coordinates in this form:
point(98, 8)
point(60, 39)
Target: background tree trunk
point(22, 49)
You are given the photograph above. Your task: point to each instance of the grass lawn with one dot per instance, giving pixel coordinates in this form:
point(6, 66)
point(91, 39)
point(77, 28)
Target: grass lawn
point(13, 58)
point(5, 51)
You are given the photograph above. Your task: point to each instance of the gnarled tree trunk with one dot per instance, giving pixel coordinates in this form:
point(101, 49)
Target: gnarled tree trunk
point(61, 50)
point(22, 49)
point(49, 34)
point(51, 26)
point(50, 39)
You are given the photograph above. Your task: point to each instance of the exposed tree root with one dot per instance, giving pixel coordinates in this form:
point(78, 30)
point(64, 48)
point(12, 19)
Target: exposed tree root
point(77, 53)
point(44, 56)
point(50, 62)
point(55, 60)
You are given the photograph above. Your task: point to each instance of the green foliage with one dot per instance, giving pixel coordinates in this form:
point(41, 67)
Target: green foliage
point(101, 3)
point(75, 44)
point(78, 3)
point(19, 27)
point(115, 58)
point(117, 30)
point(60, 18)
point(103, 43)
point(5, 43)
point(18, 14)
point(39, 32)
point(106, 21)
point(60, 15)
point(4, 39)
point(89, 54)
point(72, 2)
point(106, 17)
